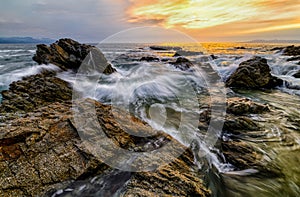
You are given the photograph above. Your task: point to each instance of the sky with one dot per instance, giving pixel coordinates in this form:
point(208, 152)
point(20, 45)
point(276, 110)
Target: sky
point(204, 20)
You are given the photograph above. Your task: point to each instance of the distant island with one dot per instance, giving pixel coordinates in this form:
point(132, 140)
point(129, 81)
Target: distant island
point(273, 41)
point(24, 40)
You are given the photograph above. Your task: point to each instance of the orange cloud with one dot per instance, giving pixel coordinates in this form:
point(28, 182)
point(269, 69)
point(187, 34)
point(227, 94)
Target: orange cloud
point(242, 16)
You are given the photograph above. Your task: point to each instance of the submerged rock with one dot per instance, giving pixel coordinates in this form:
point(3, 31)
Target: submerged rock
point(66, 54)
point(254, 74)
point(241, 106)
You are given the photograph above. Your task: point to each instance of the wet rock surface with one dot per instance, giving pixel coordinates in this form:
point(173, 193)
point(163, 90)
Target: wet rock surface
point(291, 50)
point(149, 59)
point(35, 91)
point(240, 106)
point(41, 151)
point(182, 63)
point(253, 74)
point(241, 154)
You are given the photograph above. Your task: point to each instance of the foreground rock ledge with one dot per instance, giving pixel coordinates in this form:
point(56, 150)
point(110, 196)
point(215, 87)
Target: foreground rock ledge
point(41, 151)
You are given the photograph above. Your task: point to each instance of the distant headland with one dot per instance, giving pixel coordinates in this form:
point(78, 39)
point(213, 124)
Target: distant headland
point(273, 41)
point(24, 40)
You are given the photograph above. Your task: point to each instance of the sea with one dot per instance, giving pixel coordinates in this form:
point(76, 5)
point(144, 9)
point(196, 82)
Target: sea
point(149, 89)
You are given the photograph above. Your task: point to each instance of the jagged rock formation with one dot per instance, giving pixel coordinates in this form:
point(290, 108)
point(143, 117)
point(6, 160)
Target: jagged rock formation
point(66, 54)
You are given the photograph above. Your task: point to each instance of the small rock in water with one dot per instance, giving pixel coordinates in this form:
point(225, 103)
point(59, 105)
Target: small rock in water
point(157, 48)
point(253, 74)
point(182, 63)
point(149, 59)
point(240, 106)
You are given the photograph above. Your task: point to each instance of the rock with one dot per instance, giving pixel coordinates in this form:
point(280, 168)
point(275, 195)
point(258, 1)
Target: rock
point(244, 157)
point(66, 54)
point(175, 179)
point(239, 125)
point(253, 74)
point(297, 75)
point(149, 59)
point(176, 55)
point(41, 151)
point(179, 178)
point(38, 151)
point(292, 50)
point(277, 49)
point(182, 63)
point(239, 47)
point(158, 48)
point(109, 69)
point(35, 91)
point(293, 58)
point(186, 53)
point(213, 57)
point(241, 106)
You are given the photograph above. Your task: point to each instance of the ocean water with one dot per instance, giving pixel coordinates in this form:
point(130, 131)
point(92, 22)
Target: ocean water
point(150, 90)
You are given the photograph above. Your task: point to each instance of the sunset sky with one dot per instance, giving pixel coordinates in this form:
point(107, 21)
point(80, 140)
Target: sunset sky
point(205, 20)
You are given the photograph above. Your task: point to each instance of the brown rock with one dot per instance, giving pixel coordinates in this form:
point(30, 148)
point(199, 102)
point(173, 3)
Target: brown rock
point(66, 54)
point(240, 106)
point(253, 74)
point(245, 156)
point(38, 151)
point(41, 151)
point(35, 91)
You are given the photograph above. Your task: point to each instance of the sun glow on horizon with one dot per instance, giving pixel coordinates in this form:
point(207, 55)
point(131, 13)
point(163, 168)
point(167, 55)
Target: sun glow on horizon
point(239, 17)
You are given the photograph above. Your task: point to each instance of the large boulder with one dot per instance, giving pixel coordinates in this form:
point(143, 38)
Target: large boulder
point(254, 74)
point(66, 54)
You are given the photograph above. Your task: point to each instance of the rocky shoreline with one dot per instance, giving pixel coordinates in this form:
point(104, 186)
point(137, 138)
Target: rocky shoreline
point(41, 153)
